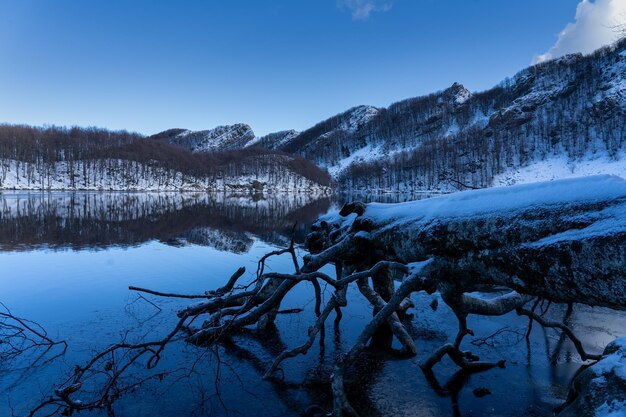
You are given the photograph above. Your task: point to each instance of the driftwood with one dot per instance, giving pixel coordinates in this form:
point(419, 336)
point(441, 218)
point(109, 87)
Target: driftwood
point(561, 242)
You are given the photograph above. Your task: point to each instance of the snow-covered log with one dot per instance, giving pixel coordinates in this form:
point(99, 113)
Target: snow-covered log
point(563, 240)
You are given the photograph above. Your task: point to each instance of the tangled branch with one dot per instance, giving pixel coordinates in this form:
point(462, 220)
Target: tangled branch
point(19, 336)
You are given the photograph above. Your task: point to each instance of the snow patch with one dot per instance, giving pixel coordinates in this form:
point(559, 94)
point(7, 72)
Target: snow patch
point(560, 167)
point(123, 175)
point(614, 409)
point(502, 200)
point(366, 154)
point(615, 362)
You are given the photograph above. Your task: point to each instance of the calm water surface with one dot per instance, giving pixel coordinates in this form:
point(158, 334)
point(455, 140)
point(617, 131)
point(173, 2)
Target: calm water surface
point(67, 259)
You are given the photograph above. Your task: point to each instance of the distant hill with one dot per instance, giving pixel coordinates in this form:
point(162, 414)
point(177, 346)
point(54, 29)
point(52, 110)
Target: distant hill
point(97, 159)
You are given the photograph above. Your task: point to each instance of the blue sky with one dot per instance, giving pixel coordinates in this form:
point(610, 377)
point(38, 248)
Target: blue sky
point(277, 64)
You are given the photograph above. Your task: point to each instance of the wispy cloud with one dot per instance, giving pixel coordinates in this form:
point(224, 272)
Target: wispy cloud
point(595, 25)
point(361, 9)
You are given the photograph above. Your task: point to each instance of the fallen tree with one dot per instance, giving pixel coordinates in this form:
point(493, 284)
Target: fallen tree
point(562, 241)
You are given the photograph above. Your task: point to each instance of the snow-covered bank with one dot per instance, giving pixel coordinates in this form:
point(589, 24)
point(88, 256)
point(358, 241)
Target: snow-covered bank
point(561, 167)
point(124, 175)
point(554, 168)
point(565, 240)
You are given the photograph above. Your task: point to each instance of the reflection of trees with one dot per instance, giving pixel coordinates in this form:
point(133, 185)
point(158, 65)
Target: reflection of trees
point(100, 220)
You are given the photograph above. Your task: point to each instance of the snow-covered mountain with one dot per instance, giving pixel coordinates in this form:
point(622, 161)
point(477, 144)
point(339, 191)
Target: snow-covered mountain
point(332, 129)
point(561, 118)
point(222, 138)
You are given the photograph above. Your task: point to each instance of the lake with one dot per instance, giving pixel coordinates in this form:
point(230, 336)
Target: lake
point(67, 259)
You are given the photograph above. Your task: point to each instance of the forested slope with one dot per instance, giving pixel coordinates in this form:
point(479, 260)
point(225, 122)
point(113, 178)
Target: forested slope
point(567, 115)
point(98, 159)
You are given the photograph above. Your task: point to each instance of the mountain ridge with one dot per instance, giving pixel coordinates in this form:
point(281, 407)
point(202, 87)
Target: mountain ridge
point(558, 118)
point(568, 112)
point(573, 106)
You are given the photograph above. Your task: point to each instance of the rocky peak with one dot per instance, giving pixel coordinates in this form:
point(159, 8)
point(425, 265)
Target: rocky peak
point(357, 117)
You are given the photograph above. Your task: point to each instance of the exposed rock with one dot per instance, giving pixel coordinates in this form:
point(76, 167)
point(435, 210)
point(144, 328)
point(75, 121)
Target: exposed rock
point(274, 140)
point(481, 392)
point(456, 94)
point(600, 390)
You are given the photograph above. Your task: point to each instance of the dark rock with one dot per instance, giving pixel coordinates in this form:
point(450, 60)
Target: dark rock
point(600, 390)
point(481, 392)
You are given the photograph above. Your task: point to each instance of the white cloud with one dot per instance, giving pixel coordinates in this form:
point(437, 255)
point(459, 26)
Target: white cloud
point(595, 25)
point(361, 9)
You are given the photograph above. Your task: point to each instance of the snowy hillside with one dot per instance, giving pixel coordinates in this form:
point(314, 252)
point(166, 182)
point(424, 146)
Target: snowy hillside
point(55, 158)
point(121, 175)
point(339, 126)
point(560, 167)
point(558, 119)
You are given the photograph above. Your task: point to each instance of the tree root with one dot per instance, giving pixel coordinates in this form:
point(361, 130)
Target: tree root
point(462, 304)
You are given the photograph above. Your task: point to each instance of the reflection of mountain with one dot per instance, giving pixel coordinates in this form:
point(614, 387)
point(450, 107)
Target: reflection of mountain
point(224, 240)
point(99, 220)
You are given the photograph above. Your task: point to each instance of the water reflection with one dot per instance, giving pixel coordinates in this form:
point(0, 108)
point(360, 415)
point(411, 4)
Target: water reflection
point(101, 220)
point(189, 243)
point(367, 197)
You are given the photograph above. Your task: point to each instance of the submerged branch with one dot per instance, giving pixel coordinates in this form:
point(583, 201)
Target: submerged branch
point(564, 328)
point(19, 336)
